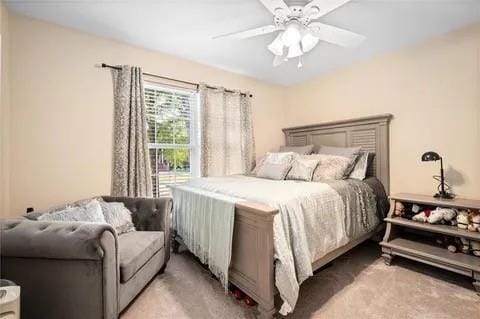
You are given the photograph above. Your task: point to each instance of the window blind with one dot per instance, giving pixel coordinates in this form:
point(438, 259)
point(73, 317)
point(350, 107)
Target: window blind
point(171, 116)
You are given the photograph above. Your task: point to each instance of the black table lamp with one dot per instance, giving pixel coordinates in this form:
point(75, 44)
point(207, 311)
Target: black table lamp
point(442, 193)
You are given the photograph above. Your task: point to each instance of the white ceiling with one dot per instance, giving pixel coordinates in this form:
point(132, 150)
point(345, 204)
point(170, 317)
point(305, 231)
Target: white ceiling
point(185, 28)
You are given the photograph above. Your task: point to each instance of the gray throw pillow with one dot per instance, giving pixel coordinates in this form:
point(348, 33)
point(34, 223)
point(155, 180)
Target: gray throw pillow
point(118, 216)
point(330, 167)
point(339, 151)
point(302, 150)
point(92, 212)
point(303, 168)
point(273, 171)
point(361, 166)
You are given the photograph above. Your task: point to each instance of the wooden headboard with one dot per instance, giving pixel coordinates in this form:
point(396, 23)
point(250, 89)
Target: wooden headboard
point(371, 133)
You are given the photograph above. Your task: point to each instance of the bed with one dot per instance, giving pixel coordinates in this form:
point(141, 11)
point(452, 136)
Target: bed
point(253, 259)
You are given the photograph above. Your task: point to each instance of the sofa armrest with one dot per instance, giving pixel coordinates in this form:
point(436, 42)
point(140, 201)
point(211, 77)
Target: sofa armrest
point(54, 240)
point(74, 265)
point(149, 214)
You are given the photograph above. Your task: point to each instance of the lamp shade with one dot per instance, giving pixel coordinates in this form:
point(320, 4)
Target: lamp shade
point(430, 156)
point(292, 34)
point(309, 41)
point(294, 51)
point(276, 47)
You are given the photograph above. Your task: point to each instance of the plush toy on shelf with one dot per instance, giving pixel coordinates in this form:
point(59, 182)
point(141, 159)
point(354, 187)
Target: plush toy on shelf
point(464, 221)
point(443, 216)
point(399, 209)
point(474, 216)
point(453, 244)
point(437, 216)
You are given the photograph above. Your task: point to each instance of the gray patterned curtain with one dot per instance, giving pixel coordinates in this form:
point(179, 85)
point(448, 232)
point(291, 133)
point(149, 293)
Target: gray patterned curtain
point(227, 142)
point(131, 174)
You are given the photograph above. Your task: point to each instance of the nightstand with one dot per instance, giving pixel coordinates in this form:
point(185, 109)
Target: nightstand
point(399, 241)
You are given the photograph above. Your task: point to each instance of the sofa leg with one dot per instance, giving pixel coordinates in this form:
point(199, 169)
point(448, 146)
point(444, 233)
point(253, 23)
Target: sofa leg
point(175, 243)
point(162, 270)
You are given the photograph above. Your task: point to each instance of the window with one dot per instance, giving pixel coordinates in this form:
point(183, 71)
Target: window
point(172, 134)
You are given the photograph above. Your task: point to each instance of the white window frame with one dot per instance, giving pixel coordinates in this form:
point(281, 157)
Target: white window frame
point(194, 145)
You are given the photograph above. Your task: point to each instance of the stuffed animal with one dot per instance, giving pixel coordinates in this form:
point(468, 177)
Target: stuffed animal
point(443, 216)
point(422, 216)
point(453, 244)
point(399, 209)
point(474, 217)
point(463, 220)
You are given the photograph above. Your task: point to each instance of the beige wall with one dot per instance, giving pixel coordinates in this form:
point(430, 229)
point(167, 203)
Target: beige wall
point(4, 111)
point(60, 110)
point(432, 89)
point(61, 120)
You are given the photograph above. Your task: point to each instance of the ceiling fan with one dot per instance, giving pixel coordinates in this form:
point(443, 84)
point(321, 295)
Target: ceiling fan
point(299, 32)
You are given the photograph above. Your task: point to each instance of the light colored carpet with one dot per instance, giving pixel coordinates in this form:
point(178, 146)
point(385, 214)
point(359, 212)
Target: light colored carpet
point(358, 285)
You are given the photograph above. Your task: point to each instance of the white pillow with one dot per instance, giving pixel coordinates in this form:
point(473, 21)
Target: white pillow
point(91, 212)
point(118, 216)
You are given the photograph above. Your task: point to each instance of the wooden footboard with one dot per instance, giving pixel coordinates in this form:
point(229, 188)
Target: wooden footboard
point(252, 268)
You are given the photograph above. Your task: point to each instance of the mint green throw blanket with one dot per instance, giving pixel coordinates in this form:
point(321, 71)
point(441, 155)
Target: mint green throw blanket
point(204, 221)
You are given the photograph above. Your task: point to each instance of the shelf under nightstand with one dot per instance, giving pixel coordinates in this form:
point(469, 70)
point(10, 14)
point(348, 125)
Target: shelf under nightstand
point(396, 244)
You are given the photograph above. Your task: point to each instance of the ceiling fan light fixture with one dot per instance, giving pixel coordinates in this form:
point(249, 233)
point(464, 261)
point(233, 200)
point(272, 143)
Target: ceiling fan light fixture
point(292, 34)
point(294, 51)
point(309, 41)
point(276, 47)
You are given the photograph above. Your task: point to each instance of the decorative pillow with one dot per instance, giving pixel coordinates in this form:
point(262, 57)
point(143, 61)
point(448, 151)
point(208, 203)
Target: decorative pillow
point(330, 167)
point(258, 164)
point(303, 168)
point(302, 150)
point(273, 158)
point(361, 166)
point(339, 151)
point(273, 171)
point(351, 152)
point(92, 212)
point(118, 216)
point(35, 215)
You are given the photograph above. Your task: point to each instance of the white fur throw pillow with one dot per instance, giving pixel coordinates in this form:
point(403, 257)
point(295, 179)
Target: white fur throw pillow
point(91, 212)
point(330, 167)
point(118, 216)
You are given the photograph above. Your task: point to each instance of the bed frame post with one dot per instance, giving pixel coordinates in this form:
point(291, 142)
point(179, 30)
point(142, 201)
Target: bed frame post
point(252, 265)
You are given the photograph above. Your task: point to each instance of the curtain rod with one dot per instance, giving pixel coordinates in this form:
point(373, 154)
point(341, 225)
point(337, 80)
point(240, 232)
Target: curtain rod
point(104, 65)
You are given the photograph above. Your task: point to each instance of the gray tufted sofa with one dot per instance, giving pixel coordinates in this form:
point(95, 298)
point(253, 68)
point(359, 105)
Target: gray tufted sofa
point(82, 270)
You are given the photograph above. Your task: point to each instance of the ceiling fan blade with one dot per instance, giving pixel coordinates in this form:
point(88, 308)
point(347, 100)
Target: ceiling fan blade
point(249, 33)
point(336, 35)
point(317, 8)
point(276, 7)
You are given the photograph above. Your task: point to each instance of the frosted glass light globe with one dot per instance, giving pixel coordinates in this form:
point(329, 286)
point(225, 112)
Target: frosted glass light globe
point(292, 34)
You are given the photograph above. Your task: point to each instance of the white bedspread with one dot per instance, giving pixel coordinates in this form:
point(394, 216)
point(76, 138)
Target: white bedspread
point(313, 220)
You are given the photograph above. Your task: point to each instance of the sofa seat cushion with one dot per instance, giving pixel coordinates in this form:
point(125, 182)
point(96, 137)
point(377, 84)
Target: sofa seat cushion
point(135, 249)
